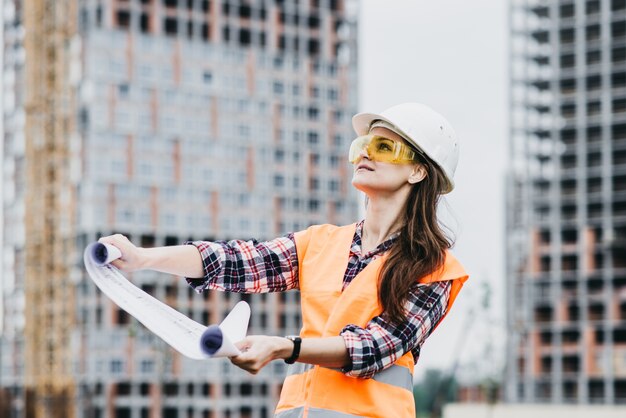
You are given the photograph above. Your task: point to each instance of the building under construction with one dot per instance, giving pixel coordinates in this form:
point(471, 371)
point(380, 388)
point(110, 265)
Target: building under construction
point(566, 203)
point(165, 120)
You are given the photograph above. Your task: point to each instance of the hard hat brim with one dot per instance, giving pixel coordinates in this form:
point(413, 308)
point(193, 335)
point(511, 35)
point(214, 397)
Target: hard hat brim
point(361, 122)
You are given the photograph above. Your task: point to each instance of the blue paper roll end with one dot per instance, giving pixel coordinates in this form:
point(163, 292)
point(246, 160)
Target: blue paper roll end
point(99, 253)
point(211, 340)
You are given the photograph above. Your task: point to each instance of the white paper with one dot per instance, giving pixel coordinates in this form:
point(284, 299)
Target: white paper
point(188, 337)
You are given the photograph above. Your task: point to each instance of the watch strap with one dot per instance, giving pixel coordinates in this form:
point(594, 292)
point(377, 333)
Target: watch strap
point(297, 343)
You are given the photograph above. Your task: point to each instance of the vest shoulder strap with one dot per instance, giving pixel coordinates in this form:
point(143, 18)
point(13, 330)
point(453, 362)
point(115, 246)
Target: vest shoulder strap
point(316, 236)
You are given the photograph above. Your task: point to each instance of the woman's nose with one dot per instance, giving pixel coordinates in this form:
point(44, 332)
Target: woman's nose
point(363, 153)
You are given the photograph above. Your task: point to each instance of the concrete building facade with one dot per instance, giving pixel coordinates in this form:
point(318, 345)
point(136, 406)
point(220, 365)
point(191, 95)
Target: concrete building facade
point(566, 203)
point(196, 119)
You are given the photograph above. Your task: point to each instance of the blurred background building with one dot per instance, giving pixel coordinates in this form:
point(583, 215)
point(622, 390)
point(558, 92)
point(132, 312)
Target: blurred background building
point(566, 202)
point(165, 120)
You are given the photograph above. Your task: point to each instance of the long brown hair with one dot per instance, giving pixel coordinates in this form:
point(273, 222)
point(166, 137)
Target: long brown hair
point(420, 247)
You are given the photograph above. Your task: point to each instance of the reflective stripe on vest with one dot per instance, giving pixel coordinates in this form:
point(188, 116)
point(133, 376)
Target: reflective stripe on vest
point(313, 413)
point(394, 375)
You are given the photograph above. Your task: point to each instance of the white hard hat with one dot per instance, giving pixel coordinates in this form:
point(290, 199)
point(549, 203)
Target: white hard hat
point(423, 128)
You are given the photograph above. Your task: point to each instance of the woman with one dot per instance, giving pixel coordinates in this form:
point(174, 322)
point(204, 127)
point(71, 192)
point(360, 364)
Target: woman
point(371, 292)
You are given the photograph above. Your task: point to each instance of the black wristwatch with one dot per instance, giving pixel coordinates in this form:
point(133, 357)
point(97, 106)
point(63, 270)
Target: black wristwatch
point(297, 342)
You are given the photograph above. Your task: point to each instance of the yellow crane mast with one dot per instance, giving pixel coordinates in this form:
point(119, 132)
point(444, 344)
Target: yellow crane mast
point(50, 117)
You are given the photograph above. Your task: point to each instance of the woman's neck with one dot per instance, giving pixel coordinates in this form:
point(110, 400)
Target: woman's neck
point(382, 219)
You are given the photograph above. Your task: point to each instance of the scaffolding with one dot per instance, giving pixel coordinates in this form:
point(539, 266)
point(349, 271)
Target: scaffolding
point(566, 209)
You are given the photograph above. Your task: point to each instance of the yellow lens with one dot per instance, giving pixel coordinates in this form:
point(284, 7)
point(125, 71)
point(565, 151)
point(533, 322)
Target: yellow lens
point(380, 149)
point(357, 146)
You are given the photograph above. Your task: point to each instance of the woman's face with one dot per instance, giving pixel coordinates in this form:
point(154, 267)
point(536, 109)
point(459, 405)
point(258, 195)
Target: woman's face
point(372, 177)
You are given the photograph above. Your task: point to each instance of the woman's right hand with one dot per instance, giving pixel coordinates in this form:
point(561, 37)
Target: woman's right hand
point(133, 257)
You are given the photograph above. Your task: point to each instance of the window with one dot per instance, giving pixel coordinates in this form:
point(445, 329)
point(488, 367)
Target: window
point(313, 46)
point(170, 389)
point(122, 90)
point(147, 366)
point(314, 21)
point(116, 366)
point(567, 10)
point(123, 19)
point(314, 205)
point(594, 57)
point(244, 35)
point(568, 60)
point(618, 5)
point(592, 7)
point(313, 137)
point(594, 108)
point(315, 159)
point(171, 26)
point(278, 87)
point(245, 11)
point(568, 110)
point(618, 54)
point(122, 413)
point(594, 82)
point(279, 180)
point(592, 32)
point(567, 36)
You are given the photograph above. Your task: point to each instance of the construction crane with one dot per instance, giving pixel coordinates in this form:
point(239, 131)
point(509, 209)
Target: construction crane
point(51, 26)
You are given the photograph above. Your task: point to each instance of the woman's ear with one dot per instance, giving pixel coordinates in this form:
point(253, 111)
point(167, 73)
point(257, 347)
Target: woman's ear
point(418, 174)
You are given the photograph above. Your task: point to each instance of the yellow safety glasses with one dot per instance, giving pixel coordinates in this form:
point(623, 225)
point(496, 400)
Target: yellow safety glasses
point(381, 149)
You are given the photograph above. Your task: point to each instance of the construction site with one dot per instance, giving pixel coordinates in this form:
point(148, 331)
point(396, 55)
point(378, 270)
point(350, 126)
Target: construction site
point(176, 120)
point(159, 119)
point(566, 203)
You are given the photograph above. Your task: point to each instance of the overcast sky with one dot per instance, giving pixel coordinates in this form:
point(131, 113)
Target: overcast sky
point(451, 55)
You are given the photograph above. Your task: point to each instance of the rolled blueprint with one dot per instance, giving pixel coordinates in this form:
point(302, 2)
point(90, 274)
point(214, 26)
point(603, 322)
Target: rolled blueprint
point(185, 335)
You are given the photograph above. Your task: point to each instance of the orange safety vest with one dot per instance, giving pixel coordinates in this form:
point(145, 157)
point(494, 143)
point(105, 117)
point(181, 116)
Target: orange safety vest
point(315, 391)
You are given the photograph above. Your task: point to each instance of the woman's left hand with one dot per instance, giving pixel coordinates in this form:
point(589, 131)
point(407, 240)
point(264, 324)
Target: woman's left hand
point(258, 350)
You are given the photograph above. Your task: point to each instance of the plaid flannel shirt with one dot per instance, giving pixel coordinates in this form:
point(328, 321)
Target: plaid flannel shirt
point(272, 266)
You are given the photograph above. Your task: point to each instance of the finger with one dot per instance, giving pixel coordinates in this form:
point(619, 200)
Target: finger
point(106, 240)
point(240, 362)
point(114, 239)
point(119, 264)
point(243, 345)
point(121, 238)
point(242, 357)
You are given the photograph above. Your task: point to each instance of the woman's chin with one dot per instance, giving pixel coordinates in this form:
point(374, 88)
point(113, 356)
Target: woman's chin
point(361, 185)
